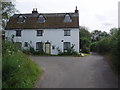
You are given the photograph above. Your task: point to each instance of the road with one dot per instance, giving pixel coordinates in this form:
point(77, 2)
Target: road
point(75, 72)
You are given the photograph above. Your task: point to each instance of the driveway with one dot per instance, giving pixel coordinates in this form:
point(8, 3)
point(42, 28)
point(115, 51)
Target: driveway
point(75, 72)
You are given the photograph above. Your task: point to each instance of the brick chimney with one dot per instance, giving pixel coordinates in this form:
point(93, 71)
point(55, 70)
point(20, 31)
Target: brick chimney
point(76, 11)
point(34, 11)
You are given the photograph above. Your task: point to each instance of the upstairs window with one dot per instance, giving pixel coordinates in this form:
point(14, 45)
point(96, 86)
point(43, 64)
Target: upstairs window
point(41, 19)
point(66, 32)
point(18, 32)
point(39, 32)
point(67, 18)
point(21, 19)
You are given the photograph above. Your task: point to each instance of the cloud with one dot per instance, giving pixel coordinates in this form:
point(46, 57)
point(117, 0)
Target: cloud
point(107, 24)
point(119, 14)
point(100, 17)
point(94, 14)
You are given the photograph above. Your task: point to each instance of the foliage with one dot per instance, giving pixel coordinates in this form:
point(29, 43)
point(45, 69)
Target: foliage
point(40, 52)
point(115, 49)
point(18, 71)
point(85, 33)
point(101, 46)
point(109, 45)
point(8, 9)
point(59, 51)
point(85, 45)
point(31, 51)
point(113, 31)
point(98, 35)
point(85, 40)
point(70, 51)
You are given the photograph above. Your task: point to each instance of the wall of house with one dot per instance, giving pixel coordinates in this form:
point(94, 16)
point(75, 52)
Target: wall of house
point(54, 36)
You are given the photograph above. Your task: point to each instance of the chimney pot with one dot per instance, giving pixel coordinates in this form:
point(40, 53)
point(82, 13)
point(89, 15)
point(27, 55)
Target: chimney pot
point(34, 10)
point(76, 11)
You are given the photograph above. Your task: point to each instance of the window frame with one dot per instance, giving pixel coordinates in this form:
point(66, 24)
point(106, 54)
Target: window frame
point(67, 32)
point(66, 47)
point(18, 34)
point(39, 34)
point(67, 18)
point(21, 17)
point(25, 44)
point(38, 47)
point(41, 19)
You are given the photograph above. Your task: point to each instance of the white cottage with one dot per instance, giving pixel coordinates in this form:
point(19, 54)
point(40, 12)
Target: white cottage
point(45, 31)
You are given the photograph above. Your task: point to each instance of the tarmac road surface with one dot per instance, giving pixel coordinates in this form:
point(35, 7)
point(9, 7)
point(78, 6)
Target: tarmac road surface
point(75, 72)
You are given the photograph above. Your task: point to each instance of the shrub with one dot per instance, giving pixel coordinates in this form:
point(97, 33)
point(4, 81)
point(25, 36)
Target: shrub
point(70, 51)
point(85, 45)
point(102, 46)
point(109, 45)
point(40, 52)
point(86, 50)
point(115, 50)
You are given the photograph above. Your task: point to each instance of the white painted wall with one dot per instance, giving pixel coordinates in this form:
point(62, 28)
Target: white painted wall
point(54, 36)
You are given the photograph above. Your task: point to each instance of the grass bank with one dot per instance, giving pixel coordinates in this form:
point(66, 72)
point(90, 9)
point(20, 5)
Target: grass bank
point(18, 71)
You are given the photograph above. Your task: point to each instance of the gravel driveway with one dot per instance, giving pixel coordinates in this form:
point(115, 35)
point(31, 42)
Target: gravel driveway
point(75, 72)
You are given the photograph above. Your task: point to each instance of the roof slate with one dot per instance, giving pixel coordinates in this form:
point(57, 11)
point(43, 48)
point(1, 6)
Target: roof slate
point(53, 21)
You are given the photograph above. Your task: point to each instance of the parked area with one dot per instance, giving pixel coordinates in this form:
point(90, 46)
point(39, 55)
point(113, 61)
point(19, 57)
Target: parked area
point(75, 72)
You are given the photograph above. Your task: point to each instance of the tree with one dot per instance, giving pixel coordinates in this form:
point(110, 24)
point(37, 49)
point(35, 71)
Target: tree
point(8, 9)
point(85, 39)
point(113, 31)
point(109, 45)
point(84, 32)
point(97, 35)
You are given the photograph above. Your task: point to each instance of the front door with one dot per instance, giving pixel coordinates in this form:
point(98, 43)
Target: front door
point(47, 48)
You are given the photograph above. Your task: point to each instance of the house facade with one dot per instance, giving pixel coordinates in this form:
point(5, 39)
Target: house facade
point(50, 32)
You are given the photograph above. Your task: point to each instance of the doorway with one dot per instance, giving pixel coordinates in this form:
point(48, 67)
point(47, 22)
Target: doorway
point(47, 48)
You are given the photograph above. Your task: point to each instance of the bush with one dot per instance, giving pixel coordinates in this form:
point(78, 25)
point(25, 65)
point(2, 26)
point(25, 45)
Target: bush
point(70, 51)
point(18, 71)
point(86, 50)
point(115, 50)
point(102, 46)
point(109, 45)
point(85, 45)
point(40, 52)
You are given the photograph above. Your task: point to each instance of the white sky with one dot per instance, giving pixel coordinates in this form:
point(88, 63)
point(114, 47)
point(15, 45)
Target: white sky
point(94, 14)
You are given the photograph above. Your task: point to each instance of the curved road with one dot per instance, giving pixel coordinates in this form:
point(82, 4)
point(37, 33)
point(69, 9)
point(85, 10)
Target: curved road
point(75, 72)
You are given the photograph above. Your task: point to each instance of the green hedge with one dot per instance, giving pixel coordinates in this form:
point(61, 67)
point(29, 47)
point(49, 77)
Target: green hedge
point(109, 45)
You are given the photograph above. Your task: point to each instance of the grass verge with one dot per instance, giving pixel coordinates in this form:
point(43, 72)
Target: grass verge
point(18, 71)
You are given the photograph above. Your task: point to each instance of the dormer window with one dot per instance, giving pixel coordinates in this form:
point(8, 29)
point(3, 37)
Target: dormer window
point(67, 18)
point(21, 19)
point(41, 19)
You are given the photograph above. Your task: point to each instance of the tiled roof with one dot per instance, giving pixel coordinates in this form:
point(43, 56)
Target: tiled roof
point(52, 21)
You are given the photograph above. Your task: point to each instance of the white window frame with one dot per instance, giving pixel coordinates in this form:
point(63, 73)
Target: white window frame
point(39, 32)
point(41, 19)
point(67, 18)
point(21, 17)
point(67, 32)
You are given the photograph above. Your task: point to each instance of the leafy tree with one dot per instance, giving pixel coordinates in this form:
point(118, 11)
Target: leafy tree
point(109, 45)
point(98, 34)
point(8, 9)
point(113, 31)
point(85, 39)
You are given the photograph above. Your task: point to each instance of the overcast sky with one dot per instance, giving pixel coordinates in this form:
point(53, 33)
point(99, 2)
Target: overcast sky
point(94, 14)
